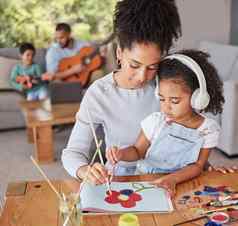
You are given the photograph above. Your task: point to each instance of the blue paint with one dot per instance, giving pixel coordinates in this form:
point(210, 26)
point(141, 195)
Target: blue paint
point(210, 189)
point(210, 223)
point(197, 193)
point(126, 192)
point(206, 193)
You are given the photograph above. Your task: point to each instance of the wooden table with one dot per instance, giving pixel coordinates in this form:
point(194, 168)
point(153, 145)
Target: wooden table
point(35, 204)
point(39, 122)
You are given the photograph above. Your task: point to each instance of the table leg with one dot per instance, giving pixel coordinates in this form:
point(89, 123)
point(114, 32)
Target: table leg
point(43, 140)
point(30, 136)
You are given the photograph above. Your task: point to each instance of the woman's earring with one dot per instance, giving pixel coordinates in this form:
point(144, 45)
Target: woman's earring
point(118, 63)
point(156, 87)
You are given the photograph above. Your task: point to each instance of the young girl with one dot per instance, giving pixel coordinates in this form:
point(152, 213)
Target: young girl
point(178, 139)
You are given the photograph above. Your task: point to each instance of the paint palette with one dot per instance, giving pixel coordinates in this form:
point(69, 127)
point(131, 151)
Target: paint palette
point(195, 202)
point(201, 197)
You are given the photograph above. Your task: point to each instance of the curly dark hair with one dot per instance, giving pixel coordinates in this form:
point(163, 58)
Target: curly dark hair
point(174, 69)
point(147, 21)
point(63, 27)
point(26, 46)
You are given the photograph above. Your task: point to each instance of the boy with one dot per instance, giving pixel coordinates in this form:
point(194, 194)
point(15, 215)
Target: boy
point(26, 76)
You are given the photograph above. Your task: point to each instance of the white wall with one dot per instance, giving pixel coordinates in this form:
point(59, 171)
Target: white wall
point(204, 20)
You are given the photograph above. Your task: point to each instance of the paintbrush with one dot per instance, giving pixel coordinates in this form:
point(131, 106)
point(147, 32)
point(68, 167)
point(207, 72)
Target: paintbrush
point(98, 151)
point(229, 197)
point(98, 148)
point(191, 220)
point(46, 178)
point(111, 177)
point(81, 187)
point(1, 205)
point(113, 169)
point(219, 209)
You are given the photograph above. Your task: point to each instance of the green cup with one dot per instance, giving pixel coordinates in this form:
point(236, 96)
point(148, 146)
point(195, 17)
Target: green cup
point(128, 219)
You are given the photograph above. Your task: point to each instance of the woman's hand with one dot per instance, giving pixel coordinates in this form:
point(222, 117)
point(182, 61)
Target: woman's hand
point(95, 174)
point(113, 155)
point(168, 183)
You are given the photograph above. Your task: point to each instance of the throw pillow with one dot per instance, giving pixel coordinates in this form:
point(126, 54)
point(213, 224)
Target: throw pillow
point(6, 65)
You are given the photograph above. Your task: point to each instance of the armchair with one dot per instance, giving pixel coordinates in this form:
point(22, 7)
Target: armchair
point(225, 59)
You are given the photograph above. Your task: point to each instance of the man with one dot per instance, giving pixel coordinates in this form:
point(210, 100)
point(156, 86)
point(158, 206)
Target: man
point(64, 46)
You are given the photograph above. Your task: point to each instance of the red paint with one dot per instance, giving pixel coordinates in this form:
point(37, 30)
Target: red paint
point(114, 198)
point(219, 217)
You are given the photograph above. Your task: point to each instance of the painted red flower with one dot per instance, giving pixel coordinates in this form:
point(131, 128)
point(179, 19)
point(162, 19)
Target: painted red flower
point(126, 197)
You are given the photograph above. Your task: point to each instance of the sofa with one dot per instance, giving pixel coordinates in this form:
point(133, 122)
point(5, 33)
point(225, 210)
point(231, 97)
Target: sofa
point(10, 113)
point(225, 59)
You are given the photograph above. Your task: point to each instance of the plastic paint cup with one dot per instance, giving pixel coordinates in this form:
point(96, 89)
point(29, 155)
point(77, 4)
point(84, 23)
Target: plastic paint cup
point(128, 219)
point(220, 217)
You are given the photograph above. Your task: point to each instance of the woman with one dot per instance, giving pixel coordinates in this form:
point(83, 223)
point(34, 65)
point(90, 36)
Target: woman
point(145, 31)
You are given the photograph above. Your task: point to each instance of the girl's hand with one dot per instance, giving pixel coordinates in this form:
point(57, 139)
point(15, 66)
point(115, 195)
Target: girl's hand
point(168, 183)
point(223, 169)
point(113, 155)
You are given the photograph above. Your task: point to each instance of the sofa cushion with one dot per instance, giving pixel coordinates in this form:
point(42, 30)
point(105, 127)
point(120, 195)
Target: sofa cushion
point(9, 101)
point(6, 65)
point(222, 56)
point(11, 119)
point(10, 52)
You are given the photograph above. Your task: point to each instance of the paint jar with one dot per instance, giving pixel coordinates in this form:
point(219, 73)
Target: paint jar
point(219, 217)
point(128, 219)
point(69, 206)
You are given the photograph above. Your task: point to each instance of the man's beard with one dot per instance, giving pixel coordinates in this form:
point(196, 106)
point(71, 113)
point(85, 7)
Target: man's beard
point(66, 44)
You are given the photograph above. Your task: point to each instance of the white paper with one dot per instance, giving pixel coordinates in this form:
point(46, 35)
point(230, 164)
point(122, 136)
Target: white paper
point(153, 199)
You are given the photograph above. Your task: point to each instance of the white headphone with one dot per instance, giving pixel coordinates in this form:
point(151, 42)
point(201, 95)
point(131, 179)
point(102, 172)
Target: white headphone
point(200, 97)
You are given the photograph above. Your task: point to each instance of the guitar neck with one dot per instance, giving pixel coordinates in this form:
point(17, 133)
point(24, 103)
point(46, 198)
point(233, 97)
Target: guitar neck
point(95, 52)
point(97, 48)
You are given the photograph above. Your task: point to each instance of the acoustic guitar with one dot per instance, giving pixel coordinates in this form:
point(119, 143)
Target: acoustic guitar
point(89, 57)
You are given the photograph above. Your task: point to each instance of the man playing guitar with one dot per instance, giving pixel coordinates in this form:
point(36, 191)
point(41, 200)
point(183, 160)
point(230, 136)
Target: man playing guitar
point(64, 46)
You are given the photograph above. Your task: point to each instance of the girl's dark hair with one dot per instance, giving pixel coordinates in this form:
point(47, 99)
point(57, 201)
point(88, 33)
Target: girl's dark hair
point(26, 46)
point(146, 21)
point(174, 69)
